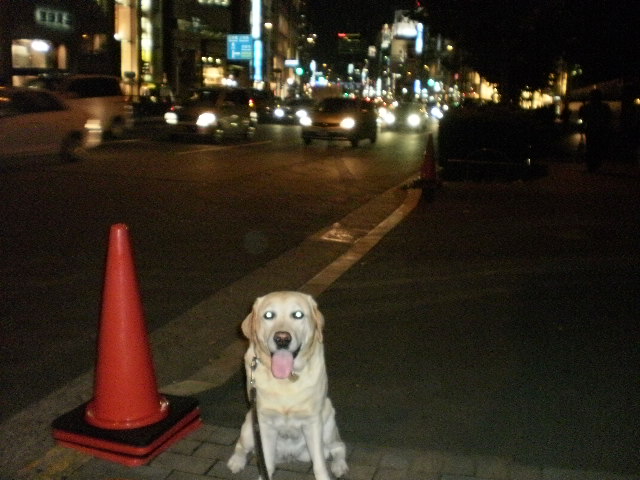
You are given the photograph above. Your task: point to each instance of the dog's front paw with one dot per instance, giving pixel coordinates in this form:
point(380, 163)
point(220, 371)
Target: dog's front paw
point(237, 462)
point(339, 467)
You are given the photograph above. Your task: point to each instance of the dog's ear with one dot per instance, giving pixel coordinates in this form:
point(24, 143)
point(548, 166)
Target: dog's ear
point(318, 318)
point(248, 325)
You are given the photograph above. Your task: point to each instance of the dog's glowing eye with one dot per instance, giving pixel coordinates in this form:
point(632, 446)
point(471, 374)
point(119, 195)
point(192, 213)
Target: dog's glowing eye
point(269, 315)
point(297, 314)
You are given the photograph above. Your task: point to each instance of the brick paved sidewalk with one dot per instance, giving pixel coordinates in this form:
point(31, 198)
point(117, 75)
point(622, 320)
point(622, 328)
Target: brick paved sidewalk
point(203, 456)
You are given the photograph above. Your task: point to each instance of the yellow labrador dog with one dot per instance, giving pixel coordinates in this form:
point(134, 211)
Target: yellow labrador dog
point(285, 363)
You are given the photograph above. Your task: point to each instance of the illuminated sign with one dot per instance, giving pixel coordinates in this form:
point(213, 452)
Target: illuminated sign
point(239, 47)
point(386, 37)
point(419, 41)
point(57, 19)
point(404, 27)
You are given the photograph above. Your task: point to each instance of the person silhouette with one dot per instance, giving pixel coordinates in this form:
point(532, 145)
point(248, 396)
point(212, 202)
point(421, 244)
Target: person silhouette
point(596, 121)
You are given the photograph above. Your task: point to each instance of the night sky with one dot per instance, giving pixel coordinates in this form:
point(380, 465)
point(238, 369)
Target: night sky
point(525, 37)
point(354, 16)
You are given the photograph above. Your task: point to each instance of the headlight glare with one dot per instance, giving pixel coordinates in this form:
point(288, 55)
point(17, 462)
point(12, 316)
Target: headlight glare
point(436, 113)
point(347, 123)
point(171, 118)
point(206, 119)
point(413, 120)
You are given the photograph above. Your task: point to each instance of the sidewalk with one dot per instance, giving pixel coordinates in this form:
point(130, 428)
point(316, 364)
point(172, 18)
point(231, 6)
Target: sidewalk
point(203, 455)
point(183, 363)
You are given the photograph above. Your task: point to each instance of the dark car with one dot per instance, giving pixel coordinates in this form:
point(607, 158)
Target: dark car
point(264, 102)
point(291, 111)
point(218, 112)
point(351, 119)
point(410, 116)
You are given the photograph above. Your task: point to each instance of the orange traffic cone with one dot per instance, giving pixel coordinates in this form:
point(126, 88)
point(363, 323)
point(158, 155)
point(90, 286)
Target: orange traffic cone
point(428, 174)
point(125, 390)
point(128, 420)
point(428, 171)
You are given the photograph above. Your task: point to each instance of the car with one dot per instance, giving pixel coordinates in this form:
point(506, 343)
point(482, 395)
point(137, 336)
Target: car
point(217, 112)
point(264, 102)
point(290, 111)
point(409, 116)
point(351, 119)
point(39, 122)
point(100, 95)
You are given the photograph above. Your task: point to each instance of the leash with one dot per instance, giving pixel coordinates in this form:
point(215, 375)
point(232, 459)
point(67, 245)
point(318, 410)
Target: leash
point(262, 467)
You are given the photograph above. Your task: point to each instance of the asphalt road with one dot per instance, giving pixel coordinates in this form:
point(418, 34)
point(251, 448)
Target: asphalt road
point(201, 216)
point(499, 319)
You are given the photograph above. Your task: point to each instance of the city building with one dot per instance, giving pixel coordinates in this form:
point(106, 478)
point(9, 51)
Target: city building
point(177, 44)
point(51, 36)
point(186, 43)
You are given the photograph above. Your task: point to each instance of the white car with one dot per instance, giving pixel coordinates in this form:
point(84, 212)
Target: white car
point(100, 95)
point(38, 122)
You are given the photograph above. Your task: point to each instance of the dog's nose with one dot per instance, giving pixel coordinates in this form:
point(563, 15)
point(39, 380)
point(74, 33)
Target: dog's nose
point(282, 339)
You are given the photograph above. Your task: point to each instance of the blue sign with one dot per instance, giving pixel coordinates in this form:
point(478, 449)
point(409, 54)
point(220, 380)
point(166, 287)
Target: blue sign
point(239, 47)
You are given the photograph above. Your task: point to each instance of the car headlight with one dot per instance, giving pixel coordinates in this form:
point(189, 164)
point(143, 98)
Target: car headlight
point(93, 125)
point(436, 113)
point(305, 121)
point(347, 123)
point(301, 113)
point(389, 118)
point(206, 119)
point(413, 120)
point(278, 112)
point(171, 118)
point(93, 132)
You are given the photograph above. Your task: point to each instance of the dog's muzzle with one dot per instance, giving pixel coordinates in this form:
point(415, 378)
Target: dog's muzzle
point(282, 359)
point(282, 339)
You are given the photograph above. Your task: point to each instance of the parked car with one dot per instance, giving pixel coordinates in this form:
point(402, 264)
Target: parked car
point(351, 119)
point(409, 116)
point(218, 112)
point(39, 122)
point(100, 95)
point(292, 110)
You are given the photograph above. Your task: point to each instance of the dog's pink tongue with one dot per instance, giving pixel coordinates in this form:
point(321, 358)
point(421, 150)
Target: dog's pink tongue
point(282, 364)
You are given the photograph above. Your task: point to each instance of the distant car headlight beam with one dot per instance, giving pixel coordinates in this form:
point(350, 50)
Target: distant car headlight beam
point(413, 120)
